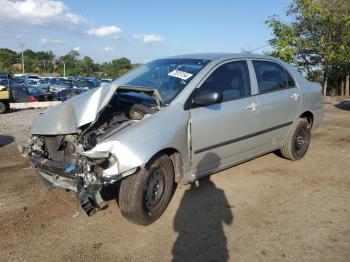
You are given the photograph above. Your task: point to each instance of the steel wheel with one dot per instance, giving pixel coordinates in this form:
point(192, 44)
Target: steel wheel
point(301, 141)
point(144, 196)
point(154, 190)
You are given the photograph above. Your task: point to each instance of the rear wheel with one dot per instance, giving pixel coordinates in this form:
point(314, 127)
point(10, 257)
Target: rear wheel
point(144, 196)
point(298, 141)
point(3, 107)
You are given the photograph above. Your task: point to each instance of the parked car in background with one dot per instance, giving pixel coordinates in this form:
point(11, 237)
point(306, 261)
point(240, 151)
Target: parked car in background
point(96, 82)
point(18, 80)
point(39, 83)
point(104, 82)
point(9, 82)
point(28, 93)
point(173, 120)
point(62, 84)
point(87, 82)
point(68, 93)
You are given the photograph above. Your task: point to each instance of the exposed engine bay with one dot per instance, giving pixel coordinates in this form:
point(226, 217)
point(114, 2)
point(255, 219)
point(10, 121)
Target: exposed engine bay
point(62, 160)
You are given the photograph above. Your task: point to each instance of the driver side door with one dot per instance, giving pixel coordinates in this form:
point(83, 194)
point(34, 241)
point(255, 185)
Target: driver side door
point(224, 133)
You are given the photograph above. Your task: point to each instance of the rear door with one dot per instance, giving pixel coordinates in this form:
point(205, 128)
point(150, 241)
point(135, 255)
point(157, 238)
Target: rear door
point(221, 132)
point(279, 101)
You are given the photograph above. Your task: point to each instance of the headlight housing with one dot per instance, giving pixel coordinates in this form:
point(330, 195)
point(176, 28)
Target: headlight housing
point(101, 158)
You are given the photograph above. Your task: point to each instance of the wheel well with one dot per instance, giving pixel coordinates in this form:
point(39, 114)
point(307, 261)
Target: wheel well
point(309, 117)
point(175, 157)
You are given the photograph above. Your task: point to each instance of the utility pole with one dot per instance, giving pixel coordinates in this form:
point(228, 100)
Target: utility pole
point(64, 68)
point(22, 60)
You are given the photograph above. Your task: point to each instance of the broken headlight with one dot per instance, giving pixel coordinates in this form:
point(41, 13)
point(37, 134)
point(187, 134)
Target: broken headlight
point(103, 159)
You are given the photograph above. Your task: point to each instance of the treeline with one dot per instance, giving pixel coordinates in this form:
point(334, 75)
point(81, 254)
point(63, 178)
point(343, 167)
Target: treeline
point(317, 41)
point(45, 62)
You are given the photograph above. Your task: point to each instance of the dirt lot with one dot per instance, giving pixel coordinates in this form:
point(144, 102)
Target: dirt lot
point(268, 209)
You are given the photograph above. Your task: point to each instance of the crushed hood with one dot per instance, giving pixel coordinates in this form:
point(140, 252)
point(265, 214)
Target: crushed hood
point(67, 117)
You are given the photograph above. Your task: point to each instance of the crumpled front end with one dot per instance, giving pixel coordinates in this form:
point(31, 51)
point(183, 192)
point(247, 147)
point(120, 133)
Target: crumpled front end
point(61, 162)
point(83, 160)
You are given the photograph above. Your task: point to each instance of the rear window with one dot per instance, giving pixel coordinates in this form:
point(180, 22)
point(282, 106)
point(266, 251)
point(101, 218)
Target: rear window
point(271, 76)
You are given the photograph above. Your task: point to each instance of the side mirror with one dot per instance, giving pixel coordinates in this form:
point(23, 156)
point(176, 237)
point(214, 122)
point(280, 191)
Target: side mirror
point(207, 98)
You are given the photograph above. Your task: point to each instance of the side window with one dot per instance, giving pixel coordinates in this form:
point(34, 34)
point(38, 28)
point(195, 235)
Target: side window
point(231, 79)
point(290, 80)
point(270, 76)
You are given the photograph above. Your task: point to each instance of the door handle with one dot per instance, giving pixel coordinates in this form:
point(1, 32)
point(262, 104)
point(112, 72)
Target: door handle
point(252, 106)
point(295, 96)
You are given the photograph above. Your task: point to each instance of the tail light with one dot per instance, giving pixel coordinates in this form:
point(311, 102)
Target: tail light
point(32, 99)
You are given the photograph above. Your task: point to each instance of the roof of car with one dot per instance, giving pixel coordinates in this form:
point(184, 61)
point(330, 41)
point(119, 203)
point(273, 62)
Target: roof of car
point(219, 56)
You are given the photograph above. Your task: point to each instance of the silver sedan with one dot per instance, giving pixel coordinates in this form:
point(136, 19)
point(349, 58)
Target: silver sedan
point(170, 121)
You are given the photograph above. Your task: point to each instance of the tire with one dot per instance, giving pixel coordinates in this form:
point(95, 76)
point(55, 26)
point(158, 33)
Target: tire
point(144, 196)
point(3, 107)
point(298, 141)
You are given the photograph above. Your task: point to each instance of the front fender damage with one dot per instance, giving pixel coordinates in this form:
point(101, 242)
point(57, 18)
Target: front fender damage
point(86, 172)
point(81, 153)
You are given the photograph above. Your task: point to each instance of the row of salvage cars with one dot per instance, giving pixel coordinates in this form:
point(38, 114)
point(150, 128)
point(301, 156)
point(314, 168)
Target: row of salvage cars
point(26, 88)
point(173, 121)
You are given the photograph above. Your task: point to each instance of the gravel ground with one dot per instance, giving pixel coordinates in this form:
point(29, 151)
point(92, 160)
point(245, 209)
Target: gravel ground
point(267, 209)
point(17, 122)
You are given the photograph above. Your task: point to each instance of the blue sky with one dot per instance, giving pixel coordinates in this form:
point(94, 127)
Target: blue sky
point(139, 30)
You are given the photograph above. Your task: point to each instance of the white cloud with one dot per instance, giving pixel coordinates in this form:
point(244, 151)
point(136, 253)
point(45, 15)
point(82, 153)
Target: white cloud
point(39, 12)
point(46, 41)
point(116, 37)
point(109, 49)
point(147, 38)
point(77, 48)
point(103, 31)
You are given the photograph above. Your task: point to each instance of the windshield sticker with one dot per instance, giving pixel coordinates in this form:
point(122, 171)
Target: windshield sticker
point(180, 74)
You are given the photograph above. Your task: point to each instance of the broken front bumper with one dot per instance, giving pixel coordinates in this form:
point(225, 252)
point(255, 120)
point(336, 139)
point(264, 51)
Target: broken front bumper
point(53, 172)
point(58, 181)
point(72, 177)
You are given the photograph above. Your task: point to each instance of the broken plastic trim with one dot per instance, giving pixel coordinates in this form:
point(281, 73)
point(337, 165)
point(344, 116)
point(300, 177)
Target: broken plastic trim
point(86, 198)
point(59, 181)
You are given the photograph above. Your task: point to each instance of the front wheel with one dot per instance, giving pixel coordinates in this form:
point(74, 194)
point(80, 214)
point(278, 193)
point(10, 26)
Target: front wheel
point(298, 141)
point(144, 196)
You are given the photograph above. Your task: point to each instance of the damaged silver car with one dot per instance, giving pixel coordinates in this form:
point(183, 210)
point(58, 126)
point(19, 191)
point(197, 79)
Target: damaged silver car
point(172, 121)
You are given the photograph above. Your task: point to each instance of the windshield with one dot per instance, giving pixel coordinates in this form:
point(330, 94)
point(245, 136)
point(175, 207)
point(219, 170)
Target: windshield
point(34, 90)
point(32, 82)
point(18, 80)
point(63, 82)
point(43, 81)
point(167, 76)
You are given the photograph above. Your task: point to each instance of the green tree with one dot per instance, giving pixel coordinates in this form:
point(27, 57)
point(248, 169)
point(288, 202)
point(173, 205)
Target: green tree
point(317, 41)
point(88, 66)
point(44, 62)
point(7, 59)
point(116, 67)
point(71, 63)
